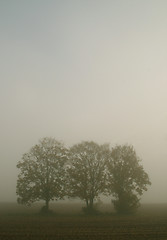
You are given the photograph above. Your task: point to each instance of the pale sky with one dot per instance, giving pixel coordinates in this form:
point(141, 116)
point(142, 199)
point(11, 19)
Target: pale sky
point(84, 70)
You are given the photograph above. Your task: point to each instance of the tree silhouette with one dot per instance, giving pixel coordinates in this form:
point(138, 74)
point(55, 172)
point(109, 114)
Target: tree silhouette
point(127, 178)
point(87, 172)
point(42, 172)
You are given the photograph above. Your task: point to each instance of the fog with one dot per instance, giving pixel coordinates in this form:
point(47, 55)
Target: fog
point(84, 70)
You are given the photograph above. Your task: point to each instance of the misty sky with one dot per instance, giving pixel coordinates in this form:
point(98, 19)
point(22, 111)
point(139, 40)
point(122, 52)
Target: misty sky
point(84, 70)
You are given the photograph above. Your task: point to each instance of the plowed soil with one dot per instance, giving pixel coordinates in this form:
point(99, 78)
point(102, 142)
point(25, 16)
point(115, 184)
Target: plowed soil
point(82, 227)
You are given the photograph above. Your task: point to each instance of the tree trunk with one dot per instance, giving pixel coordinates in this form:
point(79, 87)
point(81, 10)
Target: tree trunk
point(87, 203)
point(91, 203)
point(47, 205)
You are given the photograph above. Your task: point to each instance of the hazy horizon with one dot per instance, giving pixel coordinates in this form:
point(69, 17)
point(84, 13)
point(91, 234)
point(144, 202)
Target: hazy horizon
point(84, 70)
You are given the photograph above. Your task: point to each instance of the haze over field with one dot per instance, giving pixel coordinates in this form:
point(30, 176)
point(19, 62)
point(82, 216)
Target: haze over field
point(84, 70)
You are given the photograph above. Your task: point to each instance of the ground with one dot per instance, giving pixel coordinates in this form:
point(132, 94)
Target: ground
point(149, 223)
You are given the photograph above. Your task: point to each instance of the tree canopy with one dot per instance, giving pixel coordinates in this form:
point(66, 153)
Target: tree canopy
point(49, 171)
point(87, 171)
point(127, 178)
point(42, 172)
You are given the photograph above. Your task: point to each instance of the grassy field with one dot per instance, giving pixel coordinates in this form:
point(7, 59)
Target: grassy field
point(69, 223)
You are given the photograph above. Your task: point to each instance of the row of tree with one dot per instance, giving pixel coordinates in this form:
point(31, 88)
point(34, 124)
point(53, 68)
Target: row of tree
point(50, 171)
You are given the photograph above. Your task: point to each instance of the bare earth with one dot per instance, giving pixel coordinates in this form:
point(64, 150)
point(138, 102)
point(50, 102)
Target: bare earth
point(150, 223)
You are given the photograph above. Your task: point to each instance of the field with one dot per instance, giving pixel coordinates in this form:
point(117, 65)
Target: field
point(24, 224)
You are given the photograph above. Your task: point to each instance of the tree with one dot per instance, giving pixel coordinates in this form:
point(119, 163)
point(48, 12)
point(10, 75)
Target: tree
point(127, 178)
point(41, 174)
point(87, 172)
